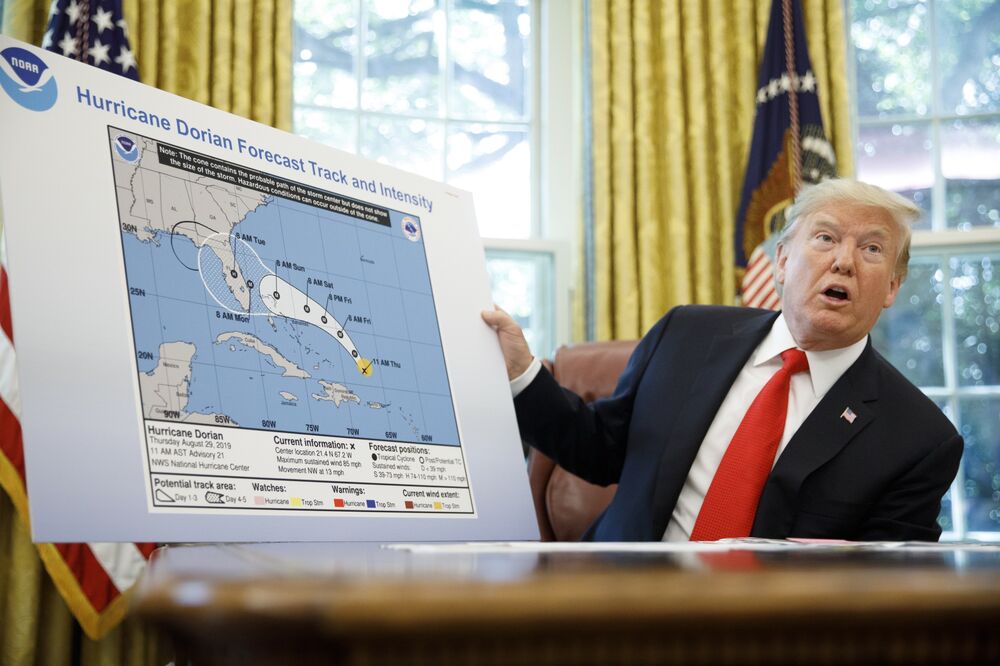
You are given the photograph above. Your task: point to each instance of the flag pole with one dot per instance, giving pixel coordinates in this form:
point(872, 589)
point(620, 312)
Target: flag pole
point(83, 31)
point(795, 163)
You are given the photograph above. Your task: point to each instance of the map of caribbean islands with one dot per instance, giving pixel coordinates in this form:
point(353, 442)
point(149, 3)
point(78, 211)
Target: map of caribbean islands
point(289, 356)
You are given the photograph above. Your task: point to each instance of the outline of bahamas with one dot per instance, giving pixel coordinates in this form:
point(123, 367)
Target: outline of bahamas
point(169, 382)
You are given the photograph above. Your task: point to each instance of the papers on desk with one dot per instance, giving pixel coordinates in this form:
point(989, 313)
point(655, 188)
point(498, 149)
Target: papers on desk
point(752, 544)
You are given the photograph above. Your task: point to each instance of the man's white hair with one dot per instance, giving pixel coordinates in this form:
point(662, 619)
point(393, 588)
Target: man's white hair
point(812, 198)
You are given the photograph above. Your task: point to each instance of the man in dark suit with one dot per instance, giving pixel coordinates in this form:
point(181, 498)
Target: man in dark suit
point(734, 422)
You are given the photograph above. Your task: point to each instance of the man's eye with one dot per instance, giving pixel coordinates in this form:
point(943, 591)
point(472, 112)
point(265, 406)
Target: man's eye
point(874, 249)
point(826, 238)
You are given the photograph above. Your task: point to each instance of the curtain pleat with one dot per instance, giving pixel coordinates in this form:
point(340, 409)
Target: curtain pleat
point(675, 205)
point(242, 51)
point(19, 578)
point(672, 98)
point(623, 166)
point(25, 20)
point(262, 107)
point(222, 53)
point(647, 123)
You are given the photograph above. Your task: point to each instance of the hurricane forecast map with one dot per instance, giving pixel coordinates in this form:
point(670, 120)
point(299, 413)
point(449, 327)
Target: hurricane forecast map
point(287, 345)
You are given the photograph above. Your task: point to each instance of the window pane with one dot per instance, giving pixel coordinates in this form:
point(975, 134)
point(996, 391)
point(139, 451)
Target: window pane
point(489, 59)
point(909, 333)
point(494, 163)
point(892, 54)
point(413, 145)
point(523, 285)
point(970, 163)
point(333, 128)
point(968, 36)
point(898, 157)
point(401, 57)
point(975, 283)
point(980, 425)
point(326, 45)
point(945, 519)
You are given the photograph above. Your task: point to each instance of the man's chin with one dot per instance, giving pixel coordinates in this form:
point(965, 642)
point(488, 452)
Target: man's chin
point(832, 330)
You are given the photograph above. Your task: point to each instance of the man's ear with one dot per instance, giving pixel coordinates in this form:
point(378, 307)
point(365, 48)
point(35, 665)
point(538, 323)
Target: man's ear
point(780, 258)
point(890, 297)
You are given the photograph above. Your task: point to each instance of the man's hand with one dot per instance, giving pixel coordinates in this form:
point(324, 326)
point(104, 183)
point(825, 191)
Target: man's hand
point(515, 350)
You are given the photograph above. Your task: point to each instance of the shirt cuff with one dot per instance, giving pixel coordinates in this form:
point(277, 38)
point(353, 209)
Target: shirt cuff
point(521, 382)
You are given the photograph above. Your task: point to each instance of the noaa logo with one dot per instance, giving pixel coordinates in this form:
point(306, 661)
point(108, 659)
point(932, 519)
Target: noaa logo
point(410, 228)
point(26, 79)
point(126, 148)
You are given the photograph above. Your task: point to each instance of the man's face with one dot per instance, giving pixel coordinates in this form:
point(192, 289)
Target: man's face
point(838, 273)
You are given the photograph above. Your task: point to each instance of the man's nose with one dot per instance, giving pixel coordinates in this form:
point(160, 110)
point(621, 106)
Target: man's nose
point(843, 261)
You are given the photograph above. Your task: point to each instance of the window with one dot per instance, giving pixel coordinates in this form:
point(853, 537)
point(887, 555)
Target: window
point(927, 92)
point(450, 89)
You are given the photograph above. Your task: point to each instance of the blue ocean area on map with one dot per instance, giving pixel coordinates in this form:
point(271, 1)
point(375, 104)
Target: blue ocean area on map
point(262, 369)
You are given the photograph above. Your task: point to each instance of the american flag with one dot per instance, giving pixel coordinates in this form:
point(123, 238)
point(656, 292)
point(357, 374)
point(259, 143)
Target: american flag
point(91, 31)
point(91, 577)
point(757, 288)
point(788, 148)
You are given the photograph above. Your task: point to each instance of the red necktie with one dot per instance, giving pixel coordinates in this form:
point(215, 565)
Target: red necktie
point(731, 502)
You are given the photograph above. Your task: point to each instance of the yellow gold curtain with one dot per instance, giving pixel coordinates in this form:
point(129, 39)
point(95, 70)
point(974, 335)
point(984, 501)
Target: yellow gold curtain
point(672, 98)
point(236, 56)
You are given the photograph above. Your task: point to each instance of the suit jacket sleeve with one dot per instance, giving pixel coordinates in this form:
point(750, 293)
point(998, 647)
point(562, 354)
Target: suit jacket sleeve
point(908, 510)
point(588, 440)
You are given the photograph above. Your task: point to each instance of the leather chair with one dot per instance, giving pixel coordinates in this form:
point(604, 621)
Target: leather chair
point(565, 504)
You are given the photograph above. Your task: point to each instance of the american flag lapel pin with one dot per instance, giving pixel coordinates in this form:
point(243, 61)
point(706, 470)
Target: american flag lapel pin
point(849, 415)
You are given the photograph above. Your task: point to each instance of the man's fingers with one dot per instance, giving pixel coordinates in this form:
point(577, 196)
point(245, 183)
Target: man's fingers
point(491, 318)
point(497, 318)
point(515, 350)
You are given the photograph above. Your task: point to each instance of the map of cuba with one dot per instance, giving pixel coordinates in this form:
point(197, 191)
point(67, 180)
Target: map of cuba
point(255, 310)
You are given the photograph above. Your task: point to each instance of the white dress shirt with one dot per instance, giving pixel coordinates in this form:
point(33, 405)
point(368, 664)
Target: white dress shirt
point(807, 389)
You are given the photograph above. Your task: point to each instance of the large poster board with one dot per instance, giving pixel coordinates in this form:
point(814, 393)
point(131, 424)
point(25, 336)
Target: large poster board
point(225, 332)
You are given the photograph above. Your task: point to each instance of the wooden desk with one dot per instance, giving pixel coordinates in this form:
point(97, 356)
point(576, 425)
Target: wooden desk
point(360, 604)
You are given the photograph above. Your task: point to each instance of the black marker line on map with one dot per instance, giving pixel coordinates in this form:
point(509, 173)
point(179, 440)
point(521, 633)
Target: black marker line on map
point(174, 233)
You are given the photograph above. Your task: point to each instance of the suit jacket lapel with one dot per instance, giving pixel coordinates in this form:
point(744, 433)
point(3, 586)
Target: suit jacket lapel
point(727, 354)
point(821, 436)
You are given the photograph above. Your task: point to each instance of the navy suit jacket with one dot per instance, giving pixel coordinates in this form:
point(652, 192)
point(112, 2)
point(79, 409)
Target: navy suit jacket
point(880, 477)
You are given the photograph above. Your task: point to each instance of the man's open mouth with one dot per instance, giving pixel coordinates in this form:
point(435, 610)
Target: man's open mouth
point(834, 292)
